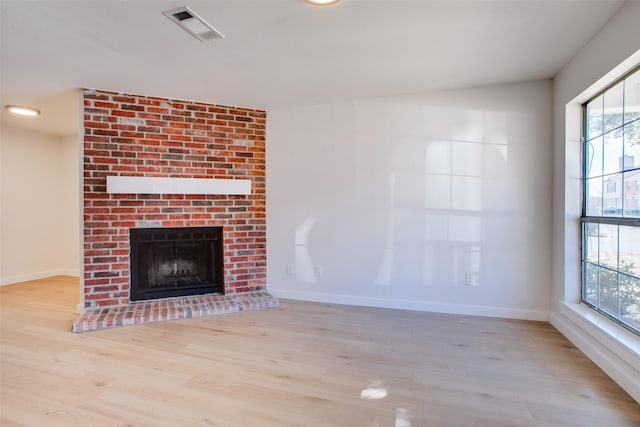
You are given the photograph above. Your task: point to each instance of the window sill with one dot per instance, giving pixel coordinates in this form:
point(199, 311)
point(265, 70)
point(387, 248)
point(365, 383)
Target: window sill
point(613, 348)
point(622, 337)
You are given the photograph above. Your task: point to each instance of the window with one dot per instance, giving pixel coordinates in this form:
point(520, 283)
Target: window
point(611, 218)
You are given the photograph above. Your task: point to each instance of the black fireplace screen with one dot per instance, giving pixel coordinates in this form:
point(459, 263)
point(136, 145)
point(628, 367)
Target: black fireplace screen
point(169, 262)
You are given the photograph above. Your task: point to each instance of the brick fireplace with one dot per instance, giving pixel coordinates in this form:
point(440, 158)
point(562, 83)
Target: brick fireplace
point(138, 136)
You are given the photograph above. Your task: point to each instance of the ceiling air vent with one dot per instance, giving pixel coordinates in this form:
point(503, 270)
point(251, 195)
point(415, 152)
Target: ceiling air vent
point(193, 24)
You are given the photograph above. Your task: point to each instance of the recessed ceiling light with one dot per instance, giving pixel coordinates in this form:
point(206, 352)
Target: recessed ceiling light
point(22, 110)
point(193, 24)
point(322, 2)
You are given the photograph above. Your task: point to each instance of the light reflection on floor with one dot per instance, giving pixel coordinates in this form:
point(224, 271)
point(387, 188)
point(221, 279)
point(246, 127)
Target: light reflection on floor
point(403, 418)
point(375, 391)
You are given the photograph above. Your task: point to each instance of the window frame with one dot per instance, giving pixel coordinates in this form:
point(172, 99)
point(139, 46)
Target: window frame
point(609, 219)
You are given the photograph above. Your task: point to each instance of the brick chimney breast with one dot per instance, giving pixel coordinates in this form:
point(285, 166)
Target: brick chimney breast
point(140, 136)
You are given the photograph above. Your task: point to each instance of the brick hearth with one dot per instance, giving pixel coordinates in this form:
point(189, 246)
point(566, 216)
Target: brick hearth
point(171, 309)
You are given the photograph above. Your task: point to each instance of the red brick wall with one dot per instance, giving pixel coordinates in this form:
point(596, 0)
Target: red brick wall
point(133, 135)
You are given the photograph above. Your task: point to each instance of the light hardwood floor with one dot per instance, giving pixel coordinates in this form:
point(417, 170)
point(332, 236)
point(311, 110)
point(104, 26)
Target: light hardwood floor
point(304, 364)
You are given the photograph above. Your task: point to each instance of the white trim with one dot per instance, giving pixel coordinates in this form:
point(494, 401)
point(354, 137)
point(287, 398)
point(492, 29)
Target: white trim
point(436, 307)
point(614, 349)
point(156, 185)
point(18, 278)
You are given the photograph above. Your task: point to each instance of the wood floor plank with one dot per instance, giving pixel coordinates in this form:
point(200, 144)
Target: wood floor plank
point(304, 364)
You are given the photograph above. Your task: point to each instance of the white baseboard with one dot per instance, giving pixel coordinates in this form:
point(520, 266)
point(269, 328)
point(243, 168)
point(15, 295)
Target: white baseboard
point(416, 305)
point(18, 278)
point(614, 349)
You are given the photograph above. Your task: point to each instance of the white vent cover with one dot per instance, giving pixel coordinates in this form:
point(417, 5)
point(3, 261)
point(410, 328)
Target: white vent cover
point(193, 24)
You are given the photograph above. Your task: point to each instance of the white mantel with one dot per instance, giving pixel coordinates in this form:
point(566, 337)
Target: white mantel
point(155, 185)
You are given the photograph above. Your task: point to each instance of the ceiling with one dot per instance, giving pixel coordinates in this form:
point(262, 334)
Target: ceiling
point(279, 53)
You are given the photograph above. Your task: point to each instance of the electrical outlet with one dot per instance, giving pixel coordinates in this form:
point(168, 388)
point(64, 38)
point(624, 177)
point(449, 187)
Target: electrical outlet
point(289, 269)
point(471, 279)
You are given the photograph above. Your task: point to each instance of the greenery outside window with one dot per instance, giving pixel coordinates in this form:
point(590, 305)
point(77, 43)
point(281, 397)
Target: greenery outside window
point(611, 202)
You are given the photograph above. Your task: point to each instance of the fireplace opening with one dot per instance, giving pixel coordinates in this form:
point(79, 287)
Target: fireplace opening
point(171, 262)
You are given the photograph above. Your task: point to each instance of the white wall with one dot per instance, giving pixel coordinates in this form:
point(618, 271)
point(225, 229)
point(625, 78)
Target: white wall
point(406, 201)
point(70, 187)
point(38, 205)
point(613, 51)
